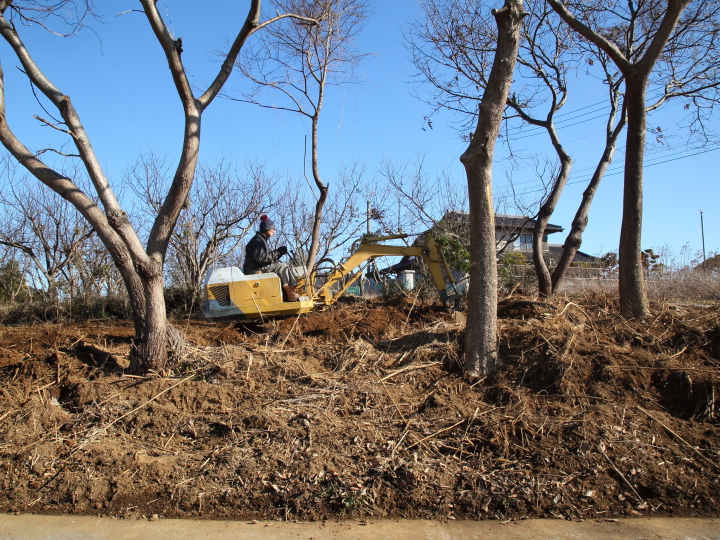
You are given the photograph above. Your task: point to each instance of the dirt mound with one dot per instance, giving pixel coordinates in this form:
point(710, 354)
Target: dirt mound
point(358, 411)
point(374, 320)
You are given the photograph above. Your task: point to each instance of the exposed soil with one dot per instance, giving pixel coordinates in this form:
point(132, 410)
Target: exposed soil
point(360, 411)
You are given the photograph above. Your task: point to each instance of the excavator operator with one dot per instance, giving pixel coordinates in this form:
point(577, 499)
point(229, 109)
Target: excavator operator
point(259, 258)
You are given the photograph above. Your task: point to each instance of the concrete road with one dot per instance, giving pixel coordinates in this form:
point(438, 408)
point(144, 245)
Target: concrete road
point(34, 527)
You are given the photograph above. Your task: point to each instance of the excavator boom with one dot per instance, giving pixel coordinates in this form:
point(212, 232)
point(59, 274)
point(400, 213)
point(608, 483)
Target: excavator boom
point(369, 249)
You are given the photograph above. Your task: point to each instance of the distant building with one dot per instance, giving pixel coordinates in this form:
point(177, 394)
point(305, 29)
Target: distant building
point(515, 233)
point(512, 233)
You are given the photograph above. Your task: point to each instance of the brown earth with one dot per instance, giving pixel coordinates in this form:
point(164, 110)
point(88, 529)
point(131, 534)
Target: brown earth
point(360, 411)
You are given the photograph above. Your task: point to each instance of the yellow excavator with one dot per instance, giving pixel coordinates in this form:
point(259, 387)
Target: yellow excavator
point(230, 294)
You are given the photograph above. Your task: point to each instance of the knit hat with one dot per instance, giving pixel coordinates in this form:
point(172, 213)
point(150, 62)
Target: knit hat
point(266, 224)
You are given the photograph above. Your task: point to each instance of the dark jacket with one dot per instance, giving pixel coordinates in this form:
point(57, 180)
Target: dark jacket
point(258, 255)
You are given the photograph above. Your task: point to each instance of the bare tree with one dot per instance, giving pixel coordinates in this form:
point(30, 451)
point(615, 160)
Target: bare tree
point(296, 62)
point(545, 53)
point(13, 285)
point(450, 52)
point(141, 267)
point(481, 329)
point(666, 42)
point(342, 223)
point(92, 273)
point(426, 198)
point(43, 227)
point(613, 128)
point(221, 208)
point(439, 204)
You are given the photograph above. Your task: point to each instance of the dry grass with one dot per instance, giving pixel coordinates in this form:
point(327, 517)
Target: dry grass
point(685, 286)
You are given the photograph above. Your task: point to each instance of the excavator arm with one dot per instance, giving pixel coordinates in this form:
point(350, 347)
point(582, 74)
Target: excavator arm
point(369, 249)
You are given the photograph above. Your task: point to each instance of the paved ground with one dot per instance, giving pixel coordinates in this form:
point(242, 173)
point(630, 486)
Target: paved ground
point(33, 527)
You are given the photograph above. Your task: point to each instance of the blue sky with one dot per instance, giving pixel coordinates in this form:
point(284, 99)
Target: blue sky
point(119, 82)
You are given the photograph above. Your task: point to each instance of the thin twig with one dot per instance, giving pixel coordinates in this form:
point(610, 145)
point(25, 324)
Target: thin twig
point(104, 401)
point(408, 368)
point(678, 437)
point(288, 334)
point(388, 393)
point(448, 428)
point(434, 434)
point(680, 352)
point(262, 318)
point(7, 413)
point(250, 363)
point(78, 340)
point(410, 312)
point(402, 437)
point(48, 385)
point(639, 498)
point(467, 428)
point(583, 312)
point(84, 443)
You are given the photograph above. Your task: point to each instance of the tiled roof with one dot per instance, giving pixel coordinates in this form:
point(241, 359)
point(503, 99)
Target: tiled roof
point(506, 221)
point(557, 250)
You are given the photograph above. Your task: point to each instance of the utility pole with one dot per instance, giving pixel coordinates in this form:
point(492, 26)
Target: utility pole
point(702, 232)
point(367, 217)
point(399, 227)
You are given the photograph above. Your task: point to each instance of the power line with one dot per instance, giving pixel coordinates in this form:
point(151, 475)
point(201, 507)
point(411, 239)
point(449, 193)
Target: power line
point(620, 170)
point(651, 163)
point(601, 105)
point(537, 130)
point(619, 153)
point(679, 158)
point(559, 127)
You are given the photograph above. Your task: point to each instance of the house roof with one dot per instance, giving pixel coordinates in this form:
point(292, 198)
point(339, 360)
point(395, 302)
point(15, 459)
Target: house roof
point(506, 222)
point(557, 250)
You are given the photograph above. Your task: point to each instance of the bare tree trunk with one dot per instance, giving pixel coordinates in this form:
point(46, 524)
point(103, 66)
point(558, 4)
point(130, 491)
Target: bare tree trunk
point(322, 188)
point(302, 59)
point(546, 210)
point(481, 329)
point(150, 352)
point(136, 297)
point(574, 237)
point(633, 299)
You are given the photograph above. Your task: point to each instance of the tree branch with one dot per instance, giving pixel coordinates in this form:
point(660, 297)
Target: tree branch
point(308, 20)
point(585, 31)
point(661, 37)
point(69, 191)
point(251, 24)
point(172, 53)
point(80, 138)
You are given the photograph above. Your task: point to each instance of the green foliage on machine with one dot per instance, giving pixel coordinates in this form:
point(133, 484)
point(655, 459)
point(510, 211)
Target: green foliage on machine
point(455, 252)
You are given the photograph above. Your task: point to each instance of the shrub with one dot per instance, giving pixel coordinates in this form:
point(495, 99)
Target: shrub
point(183, 300)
